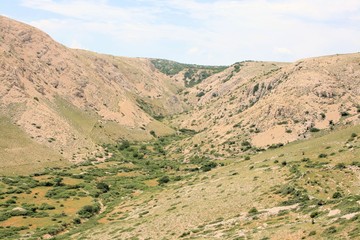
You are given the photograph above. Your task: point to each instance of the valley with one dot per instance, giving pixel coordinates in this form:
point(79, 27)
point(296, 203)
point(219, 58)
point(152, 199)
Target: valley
point(95, 146)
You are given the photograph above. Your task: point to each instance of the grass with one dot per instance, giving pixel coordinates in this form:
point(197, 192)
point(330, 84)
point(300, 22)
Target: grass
point(19, 154)
point(221, 194)
point(88, 124)
point(237, 197)
point(67, 190)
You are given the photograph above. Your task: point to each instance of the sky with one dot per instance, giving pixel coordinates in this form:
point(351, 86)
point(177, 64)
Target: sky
point(209, 32)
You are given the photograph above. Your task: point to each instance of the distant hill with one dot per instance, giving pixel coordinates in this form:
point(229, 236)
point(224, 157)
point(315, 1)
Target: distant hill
point(191, 74)
point(252, 105)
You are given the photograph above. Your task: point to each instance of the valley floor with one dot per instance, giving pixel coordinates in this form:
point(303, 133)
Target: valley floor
point(304, 190)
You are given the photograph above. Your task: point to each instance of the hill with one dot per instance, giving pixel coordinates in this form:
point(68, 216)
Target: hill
point(254, 105)
point(95, 146)
point(71, 101)
point(307, 189)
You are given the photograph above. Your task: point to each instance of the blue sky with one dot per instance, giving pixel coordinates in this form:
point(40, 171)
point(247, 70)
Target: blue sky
point(212, 32)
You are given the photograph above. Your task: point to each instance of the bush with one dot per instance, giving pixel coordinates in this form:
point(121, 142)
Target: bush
point(274, 146)
point(200, 94)
point(103, 187)
point(337, 195)
point(322, 155)
point(314, 214)
point(163, 180)
point(256, 88)
point(45, 206)
point(152, 132)
point(57, 193)
point(88, 211)
point(124, 145)
point(330, 230)
point(305, 159)
point(314, 129)
point(253, 211)
point(340, 166)
point(77, 221)
point(208, 166)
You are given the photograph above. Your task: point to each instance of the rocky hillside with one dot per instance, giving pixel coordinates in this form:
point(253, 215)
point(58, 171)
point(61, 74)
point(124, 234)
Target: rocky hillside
point(252, 105)
point(68, 101)
point(164, 150)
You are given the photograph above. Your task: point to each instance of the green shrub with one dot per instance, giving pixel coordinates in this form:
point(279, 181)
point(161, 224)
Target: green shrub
point(77, 221)
point(60, 192)
point(314, 214)
point(88, 211)
point(253, 211)
point(163, 180)
point(256, 88)
point(45, 206)
point(103, 187)
point(208, 166)
point(330, 230)
point(200, 94)
point(124, 145)
point(337, 195)
point(340, 166)
point(314, 129)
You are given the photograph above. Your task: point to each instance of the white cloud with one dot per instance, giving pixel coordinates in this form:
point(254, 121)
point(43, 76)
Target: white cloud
point(281, 50)
point(76, 44)
point(91, 10)
point(193, 51)
point(222, 31)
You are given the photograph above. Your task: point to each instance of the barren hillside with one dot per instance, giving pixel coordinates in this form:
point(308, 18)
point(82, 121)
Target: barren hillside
point(259, 104)
point(71, 100)
point(105, 147)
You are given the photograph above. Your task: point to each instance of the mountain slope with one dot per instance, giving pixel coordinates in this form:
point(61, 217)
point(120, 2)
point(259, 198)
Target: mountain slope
point(167, 151)
point(262, 103)
point(308, 189)
point(71, 100)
